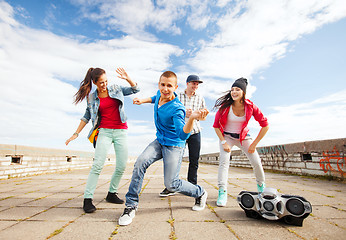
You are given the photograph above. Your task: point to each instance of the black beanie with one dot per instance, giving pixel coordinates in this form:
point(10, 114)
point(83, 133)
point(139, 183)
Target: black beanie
point(240, 83)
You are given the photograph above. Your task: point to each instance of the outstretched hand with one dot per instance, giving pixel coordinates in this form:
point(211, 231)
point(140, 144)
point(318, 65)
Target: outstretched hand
point(122, 74)
point(137, 101)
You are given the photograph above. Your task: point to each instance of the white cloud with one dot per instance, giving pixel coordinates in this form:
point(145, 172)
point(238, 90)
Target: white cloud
point(40, 69)
point(323, 118)
point(135, 16)
point(253, 34)
point(248, 35)
point(200, 15)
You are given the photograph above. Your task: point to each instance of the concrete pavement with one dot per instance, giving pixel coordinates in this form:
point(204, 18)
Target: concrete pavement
point(49, 207)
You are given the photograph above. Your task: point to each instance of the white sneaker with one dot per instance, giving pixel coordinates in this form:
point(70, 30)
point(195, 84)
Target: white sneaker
point(127, 216)
point(200, 202)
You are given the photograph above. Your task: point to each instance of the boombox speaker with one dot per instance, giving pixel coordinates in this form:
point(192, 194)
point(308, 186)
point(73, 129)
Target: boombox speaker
point(271, 205)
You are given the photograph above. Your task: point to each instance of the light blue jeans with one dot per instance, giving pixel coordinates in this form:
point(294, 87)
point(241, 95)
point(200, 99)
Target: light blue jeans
point(172, 157)
point(107, 137)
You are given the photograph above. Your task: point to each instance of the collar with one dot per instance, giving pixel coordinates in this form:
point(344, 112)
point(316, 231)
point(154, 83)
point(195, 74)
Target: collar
point(192, 94)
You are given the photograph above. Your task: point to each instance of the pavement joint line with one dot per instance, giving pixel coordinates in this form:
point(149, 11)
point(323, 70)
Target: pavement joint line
point(58, 231)
point(114, 233)
point(326, 220)
point(171, 220)
point(294, 232)
point(155, 170)
point(218, 188)
point(210, 184)
point(27, 218)
point(223, 221)
point(325, 226)
point(124, 184)
point(16, 180)
point(212, 209)
point(339, 209)
point(38, 190)
point(45, 210)
point(38, 198)
point(6, 198)
point(232, 231)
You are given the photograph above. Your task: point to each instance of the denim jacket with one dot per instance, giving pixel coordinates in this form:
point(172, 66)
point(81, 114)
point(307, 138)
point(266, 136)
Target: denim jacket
point(114, 91)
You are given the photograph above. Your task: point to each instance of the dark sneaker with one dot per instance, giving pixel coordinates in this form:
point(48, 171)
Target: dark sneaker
point(200, 202)
point(166, 193)
point(113, 198)
point(127, 216)
point(88, 205)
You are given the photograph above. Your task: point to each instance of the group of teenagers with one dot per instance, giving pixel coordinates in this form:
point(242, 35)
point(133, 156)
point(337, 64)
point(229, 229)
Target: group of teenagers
point(177, 124)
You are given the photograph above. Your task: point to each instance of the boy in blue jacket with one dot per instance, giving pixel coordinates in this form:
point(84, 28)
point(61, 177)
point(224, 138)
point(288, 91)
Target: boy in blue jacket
point(171, 134)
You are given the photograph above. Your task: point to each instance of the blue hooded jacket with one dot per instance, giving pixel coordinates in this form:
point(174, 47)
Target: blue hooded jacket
point(169, 122)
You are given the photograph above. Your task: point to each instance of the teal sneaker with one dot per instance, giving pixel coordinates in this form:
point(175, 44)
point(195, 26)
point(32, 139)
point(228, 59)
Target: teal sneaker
point(222, 198)
point(261, 188)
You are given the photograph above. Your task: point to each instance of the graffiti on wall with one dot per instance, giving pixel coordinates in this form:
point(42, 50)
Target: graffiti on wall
point(273, 149)
point(333, 157)
point(274, 155)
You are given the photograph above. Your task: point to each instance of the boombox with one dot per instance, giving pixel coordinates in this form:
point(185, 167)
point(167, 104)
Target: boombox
point(271, 205)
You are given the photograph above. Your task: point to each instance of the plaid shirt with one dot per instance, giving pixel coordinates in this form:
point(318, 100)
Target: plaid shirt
point(195, 102)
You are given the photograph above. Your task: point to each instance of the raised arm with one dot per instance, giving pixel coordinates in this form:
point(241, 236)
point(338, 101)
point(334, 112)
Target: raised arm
point(123, 75)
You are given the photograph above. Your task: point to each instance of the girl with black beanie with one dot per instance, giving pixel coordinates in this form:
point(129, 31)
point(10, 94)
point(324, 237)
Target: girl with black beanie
point(231, 120)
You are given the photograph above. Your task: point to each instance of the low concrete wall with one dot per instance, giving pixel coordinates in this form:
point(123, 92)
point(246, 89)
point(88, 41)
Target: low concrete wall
point(21, 161)
point(317, 158)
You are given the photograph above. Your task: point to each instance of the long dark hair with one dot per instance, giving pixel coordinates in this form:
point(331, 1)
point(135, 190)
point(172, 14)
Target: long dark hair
point(226, 101)
point(92, 75)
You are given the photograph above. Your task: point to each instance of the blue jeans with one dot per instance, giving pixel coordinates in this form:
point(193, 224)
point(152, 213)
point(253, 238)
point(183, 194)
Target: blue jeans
point(194, 145)
point(107, 137)
point(172, 157)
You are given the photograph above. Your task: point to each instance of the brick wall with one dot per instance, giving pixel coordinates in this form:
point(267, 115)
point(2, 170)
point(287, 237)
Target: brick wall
point(318, 158)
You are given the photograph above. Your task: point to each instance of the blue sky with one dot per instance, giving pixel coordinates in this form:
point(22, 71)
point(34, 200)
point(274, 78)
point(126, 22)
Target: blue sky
point(292, 52)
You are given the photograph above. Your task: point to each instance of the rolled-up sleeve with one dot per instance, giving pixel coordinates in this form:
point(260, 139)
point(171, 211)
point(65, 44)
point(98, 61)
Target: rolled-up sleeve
point(217, 120)
point(259, 117)
point(129, 90)
point(86, 116)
